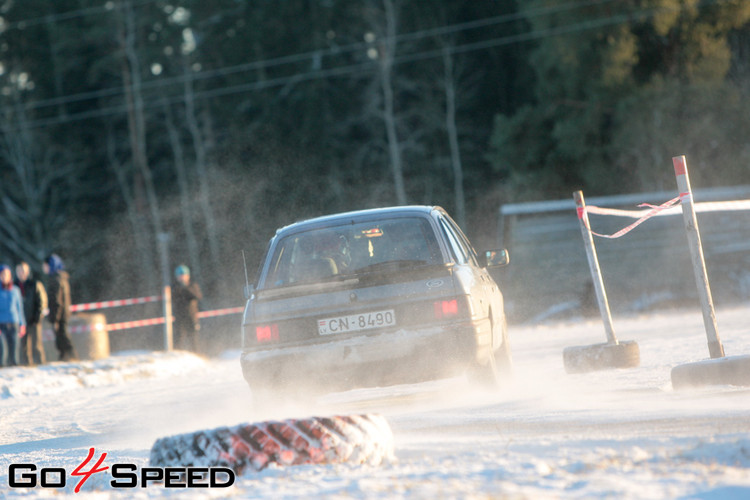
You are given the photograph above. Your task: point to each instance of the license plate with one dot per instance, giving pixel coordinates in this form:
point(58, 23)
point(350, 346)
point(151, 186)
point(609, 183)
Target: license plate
point(356, 322)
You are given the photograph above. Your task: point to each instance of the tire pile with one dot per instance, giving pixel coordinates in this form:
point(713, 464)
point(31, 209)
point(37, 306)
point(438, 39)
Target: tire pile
point(353, 439)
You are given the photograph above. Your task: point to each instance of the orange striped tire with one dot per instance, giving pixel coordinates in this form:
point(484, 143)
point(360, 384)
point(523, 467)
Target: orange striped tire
point(353, 439)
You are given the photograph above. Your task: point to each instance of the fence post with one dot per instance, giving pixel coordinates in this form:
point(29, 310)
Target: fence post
point(167, 293)
point(715, 348)
point(596, 273)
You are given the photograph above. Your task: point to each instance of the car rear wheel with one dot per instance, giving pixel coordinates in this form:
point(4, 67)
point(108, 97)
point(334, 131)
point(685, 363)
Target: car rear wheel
point(503, 356)
point(498, 368)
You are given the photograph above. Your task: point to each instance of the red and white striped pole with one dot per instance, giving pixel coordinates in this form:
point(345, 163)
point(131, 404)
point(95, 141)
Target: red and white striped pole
point(715, 348)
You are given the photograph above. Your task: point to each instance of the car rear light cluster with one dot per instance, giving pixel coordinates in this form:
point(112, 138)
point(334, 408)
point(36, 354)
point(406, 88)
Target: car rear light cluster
point(446, 308)
point(267, 333)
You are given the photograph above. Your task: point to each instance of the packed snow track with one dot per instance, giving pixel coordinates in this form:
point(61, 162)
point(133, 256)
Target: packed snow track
point(621, 433)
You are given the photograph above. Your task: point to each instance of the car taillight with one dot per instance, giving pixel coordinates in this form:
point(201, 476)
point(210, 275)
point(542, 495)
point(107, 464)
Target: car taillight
point(267, 333)
point(446, 308)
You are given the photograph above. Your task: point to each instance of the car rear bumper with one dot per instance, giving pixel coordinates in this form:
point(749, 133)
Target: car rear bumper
point(394, 357)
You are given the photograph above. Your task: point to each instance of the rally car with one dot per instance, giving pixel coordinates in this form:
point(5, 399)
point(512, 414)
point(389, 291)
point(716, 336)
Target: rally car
point(374, 297)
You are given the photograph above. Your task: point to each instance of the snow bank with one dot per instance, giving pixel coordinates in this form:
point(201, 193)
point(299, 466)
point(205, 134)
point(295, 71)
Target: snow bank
point(58, 377)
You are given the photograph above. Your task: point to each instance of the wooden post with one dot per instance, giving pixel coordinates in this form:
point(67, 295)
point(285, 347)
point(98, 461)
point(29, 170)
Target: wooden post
point(715, 348)
point(167, 289)
point(596, 273)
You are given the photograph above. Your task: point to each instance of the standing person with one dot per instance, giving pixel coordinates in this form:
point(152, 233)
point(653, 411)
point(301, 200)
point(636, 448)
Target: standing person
point(58, 294)
point(185, 297)
point(34, 303)
point(12, 321)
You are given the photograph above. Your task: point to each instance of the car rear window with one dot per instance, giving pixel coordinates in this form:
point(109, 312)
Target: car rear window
point(379, 246)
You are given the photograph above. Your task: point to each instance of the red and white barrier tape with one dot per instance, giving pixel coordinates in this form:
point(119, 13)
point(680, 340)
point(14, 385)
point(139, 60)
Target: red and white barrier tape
point(650, 213)
point(220, 312)
point(160, 320)
point(114, 303)
point(143, 300)
point(135, 324)
point(48, 334)
point(706, 206)
point(667, 208)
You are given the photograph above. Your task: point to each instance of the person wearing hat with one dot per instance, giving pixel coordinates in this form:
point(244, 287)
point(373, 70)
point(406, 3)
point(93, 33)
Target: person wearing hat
point(12, 321)
point(34, 304)
point(58, 296)
point(185, 297)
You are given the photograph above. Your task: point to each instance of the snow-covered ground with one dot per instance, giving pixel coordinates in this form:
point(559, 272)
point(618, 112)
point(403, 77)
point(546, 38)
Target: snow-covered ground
point(607, 434)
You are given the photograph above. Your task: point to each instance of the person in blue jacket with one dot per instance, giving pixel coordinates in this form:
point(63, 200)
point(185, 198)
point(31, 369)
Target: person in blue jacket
point(12, 320)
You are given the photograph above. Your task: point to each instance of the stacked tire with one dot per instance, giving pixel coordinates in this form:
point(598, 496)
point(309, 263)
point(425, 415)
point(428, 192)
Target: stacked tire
point(353, 439)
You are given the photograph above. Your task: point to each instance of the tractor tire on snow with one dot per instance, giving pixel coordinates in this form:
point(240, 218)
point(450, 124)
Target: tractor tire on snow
point(354, 439)
point(730, 370)
point(582, 359)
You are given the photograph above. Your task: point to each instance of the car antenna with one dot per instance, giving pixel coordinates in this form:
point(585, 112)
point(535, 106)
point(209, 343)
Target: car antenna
point(244, 264)
point(247, 281)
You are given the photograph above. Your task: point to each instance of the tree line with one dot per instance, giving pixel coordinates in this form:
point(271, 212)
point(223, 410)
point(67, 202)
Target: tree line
point(216, 121)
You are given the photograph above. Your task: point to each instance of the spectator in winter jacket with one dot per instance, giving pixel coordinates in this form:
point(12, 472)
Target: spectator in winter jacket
point(58, 294)
point(12, 321)
point(34, 303)
point(185, 297)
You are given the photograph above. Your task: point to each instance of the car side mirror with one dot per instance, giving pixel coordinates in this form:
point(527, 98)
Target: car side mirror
point(496, 258)
point(249, 291)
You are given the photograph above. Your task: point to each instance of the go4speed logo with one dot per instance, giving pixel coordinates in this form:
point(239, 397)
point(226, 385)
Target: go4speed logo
point(124, 475)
